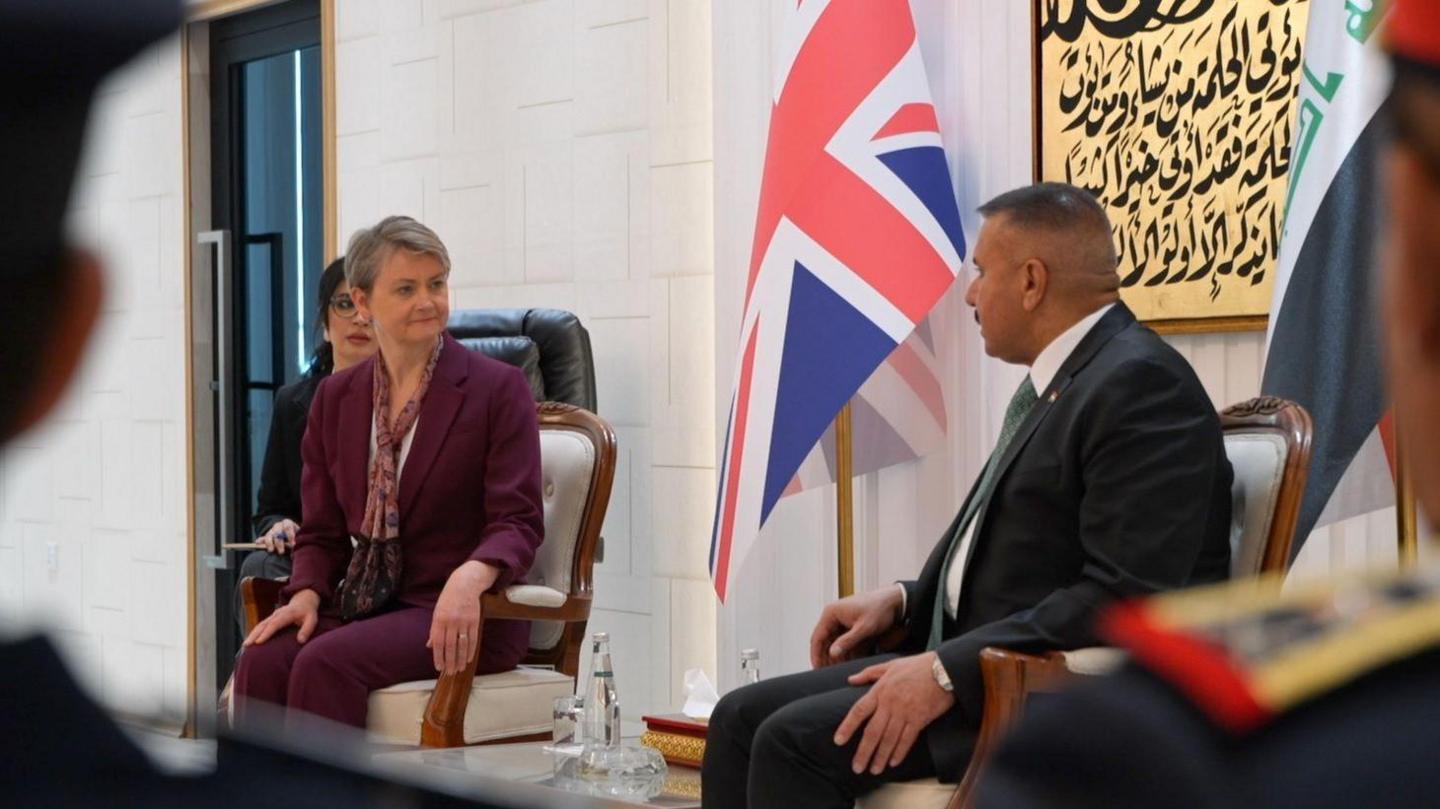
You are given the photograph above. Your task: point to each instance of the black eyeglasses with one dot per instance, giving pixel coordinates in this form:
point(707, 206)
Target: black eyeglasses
point(342, 305)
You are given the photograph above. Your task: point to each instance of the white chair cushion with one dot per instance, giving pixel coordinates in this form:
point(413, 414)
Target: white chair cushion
point(567, 464)
point(512, 703)
point(926, 793)
point(1259, 463)
point(1095, 660)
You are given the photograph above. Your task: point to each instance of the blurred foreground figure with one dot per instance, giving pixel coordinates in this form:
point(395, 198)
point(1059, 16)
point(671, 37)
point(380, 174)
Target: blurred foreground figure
point(1320, 698)
point(61, 749)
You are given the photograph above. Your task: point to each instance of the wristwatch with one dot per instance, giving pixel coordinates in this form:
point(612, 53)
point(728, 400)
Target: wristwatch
point(942, 678)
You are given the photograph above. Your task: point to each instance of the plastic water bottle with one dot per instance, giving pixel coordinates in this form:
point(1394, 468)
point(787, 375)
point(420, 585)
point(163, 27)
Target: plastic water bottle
point(602, 706)
point(749, 666)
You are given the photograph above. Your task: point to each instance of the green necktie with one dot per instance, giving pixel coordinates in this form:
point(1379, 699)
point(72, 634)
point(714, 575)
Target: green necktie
point(1020, 405)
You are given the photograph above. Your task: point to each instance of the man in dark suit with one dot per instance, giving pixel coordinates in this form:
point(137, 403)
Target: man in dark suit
point(1109, 479)
point(1326, 696)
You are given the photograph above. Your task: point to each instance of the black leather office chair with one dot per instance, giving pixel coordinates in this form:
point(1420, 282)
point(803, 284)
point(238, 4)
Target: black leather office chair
point(549, 345)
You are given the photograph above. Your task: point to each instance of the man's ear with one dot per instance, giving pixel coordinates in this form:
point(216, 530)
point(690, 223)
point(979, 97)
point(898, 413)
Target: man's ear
point(1035, 282)
point(64, 346)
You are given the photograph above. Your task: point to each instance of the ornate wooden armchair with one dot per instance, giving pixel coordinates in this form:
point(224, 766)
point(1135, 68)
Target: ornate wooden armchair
point(1268, 443)
point(578, 467)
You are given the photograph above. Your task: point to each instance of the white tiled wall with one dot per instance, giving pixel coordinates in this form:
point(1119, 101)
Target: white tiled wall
point(562, 149)
point(92, 509)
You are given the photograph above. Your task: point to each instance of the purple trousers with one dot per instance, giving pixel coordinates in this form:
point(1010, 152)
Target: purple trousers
point(332, 674)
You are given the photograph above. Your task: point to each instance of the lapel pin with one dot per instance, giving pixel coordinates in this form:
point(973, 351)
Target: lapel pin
point(1054, 394)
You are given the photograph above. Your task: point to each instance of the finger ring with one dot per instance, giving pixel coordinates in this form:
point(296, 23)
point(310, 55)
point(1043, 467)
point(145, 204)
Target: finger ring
point(462, 636)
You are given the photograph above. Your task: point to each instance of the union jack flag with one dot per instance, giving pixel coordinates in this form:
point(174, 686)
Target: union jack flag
point(898, 415)
point(857, 236)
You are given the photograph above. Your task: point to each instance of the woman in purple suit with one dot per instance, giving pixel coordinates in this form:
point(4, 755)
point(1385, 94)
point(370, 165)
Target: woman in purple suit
point(421, 491)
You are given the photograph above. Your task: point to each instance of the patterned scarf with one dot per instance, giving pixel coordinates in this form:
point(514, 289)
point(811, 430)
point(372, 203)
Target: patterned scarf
point(375, 566)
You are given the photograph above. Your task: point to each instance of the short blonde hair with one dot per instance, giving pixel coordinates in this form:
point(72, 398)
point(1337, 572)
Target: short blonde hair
point(370, 247)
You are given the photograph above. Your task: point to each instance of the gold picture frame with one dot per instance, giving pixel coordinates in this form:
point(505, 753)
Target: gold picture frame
point(1178, 115)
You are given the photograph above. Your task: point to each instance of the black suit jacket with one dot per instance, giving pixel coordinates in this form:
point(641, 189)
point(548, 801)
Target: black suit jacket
point(1115, 485)
point(279, 495)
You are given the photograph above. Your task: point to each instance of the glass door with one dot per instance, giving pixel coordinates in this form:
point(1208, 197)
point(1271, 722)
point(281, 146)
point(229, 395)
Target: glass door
point(266, 164)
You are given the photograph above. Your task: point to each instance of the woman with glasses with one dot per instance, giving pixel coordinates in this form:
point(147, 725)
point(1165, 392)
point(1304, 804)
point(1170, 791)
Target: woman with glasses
point(346, 339)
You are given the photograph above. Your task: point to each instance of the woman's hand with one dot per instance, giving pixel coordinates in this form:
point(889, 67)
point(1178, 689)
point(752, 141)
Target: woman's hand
point(302, 611)
point(455, 628)
point(280, 537)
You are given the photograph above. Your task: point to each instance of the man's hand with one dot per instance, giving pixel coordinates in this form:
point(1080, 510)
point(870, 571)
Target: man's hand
point(904, 700)
point(849, 622)
point(455, 626)
point(303, 611)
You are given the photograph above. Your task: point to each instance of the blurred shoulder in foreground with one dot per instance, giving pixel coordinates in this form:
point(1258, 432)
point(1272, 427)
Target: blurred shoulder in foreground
point(1329, 696)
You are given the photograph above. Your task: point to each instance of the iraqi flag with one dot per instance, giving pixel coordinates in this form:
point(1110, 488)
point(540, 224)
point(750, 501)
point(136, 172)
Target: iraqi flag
point(856, 237)
point(1323, 347)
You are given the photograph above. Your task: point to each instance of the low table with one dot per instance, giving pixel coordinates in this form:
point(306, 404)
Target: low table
point(530, 766)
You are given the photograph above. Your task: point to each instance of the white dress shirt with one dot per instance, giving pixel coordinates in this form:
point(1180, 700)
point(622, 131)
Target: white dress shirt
point(1042, 373)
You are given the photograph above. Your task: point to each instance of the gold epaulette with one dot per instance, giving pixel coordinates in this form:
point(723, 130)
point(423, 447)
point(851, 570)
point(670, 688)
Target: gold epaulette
point(1245, 652)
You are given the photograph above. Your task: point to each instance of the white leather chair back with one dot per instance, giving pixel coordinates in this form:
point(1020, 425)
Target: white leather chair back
point(1258, 459)
point(567, 467)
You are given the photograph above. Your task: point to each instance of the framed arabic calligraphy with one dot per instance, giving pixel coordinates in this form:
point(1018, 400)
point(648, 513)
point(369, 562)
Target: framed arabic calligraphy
point(1177, 114)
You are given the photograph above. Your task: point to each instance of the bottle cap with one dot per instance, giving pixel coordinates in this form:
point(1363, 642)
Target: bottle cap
point(601, 637)
point(749, 654)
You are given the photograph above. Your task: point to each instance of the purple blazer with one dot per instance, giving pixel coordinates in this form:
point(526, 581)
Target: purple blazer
point(469, 489)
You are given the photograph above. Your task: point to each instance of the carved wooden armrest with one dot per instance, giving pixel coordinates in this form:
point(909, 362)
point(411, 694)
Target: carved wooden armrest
point(444, 722)
point(1009, 678)
point(512, 604)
